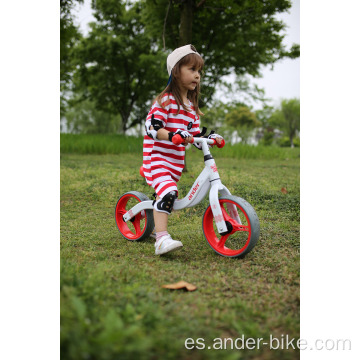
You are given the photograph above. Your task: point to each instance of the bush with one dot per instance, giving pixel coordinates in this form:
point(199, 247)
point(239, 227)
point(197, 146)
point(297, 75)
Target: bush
point(268, 138)
point(285, 142)
point(296, 142)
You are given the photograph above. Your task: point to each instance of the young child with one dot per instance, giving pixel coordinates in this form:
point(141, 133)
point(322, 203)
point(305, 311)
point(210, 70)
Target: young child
point(175, 111)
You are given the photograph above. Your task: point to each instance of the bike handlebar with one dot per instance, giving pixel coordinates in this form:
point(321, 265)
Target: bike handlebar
point(177, 140)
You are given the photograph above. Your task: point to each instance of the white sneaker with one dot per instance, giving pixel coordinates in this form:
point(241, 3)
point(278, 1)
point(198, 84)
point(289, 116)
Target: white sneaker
point(166, 244)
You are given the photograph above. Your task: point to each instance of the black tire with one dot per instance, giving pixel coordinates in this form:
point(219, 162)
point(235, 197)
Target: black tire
point(141, 225)
point(242, 238)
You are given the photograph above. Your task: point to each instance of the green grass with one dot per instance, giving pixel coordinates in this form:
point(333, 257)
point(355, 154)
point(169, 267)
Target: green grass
point(244, 151)
point(99, 144)
point(118, 144)
point(112, 302)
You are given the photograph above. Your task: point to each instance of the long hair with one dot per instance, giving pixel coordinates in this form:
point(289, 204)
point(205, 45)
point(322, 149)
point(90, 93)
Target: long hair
point(174, 88)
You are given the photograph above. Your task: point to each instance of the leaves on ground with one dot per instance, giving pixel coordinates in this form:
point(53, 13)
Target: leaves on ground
point(180, 285)
point(112, 302)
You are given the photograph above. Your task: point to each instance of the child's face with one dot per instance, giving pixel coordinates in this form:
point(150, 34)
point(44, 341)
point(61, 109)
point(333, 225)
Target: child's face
point(189, 77)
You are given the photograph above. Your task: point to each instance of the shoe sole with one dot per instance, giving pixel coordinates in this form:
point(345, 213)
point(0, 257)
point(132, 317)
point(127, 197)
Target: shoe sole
point(165, 251)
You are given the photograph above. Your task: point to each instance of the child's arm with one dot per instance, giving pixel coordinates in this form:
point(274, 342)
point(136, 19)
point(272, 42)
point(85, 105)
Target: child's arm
point(163, 134)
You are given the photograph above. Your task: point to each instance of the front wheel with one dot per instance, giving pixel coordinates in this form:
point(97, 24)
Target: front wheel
point(141, 225)
point(242, 223)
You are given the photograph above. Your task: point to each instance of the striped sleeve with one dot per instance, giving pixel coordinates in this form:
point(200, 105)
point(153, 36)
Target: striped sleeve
point(196, 127)
point(158, 112)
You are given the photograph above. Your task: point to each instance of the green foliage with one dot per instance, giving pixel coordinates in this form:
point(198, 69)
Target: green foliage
point(232, 36)
point(87, 328)
point(268, 138)
point(264, 114)
point(241, 116)
point(119, 69)
point(69, 35)
point(285, 142)
point(83, 117)
point(232, 114)
point(239, 91)
point(287, 118)
point(241, 121)
point(214, 115)
point(120, 66)
point(112, 303)
point(296, 142)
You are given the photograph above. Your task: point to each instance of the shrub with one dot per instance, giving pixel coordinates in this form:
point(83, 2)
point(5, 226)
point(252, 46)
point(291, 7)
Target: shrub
point(268, 138)
point(296, 142)
point(284, 142)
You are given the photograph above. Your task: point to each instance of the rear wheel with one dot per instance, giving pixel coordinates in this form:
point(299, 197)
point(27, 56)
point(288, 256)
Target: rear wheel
point(141, 225)
point(242, 223)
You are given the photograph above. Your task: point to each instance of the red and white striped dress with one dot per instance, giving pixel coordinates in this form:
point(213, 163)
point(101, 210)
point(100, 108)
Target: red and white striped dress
point(163, 161)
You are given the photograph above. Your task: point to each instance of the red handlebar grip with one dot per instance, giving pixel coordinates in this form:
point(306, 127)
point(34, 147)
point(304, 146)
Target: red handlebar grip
point(222, 144)
point(177, 139)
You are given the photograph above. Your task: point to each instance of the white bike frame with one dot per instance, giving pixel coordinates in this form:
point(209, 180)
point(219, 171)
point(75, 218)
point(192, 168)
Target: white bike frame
point(209, 178)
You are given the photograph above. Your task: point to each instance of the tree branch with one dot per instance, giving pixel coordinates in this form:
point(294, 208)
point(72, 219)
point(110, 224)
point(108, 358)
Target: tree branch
point(200, 3)
point(214, 8)
point(166, 16)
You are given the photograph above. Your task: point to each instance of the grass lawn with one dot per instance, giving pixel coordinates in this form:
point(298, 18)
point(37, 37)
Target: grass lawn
point(112, 302)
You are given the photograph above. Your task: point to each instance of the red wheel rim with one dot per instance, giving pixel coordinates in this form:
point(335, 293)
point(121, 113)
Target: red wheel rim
point(132, 230)
point(238, 238)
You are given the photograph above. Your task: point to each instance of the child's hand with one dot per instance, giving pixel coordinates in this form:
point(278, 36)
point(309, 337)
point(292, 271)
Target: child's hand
point(188, 140)
point(218, 138)
point(185, 135)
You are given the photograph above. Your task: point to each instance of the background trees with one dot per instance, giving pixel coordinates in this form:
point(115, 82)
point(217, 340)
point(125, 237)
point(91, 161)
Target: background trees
point(232, 36)
point(287, 118)
point(242, 121)
point(121, 65)
point(84, 117)
point(118, 63)
point(69, 34)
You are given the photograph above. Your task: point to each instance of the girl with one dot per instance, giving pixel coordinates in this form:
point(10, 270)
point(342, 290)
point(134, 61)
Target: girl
point(175, 111)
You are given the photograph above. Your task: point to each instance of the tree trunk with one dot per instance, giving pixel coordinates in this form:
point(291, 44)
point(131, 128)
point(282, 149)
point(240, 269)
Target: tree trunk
point(122, 125)
point(185, 33)
point(291, 142)
point(186, 20)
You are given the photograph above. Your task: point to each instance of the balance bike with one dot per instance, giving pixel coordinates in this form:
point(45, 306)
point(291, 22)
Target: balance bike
point(230, 224)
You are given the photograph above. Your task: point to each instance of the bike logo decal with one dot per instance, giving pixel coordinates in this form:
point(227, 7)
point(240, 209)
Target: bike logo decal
point(189, 125)
point(194, 191)
point(218, 218)
point(214, 168)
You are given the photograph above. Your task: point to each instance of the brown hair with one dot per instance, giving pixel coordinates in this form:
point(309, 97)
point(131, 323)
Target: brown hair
point(173, 86)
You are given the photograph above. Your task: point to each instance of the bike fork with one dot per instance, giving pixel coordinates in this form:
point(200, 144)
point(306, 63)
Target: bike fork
point(217, 187)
